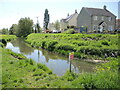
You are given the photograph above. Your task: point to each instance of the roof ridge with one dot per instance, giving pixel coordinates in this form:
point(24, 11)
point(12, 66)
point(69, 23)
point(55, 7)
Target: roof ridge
point(93, 8)
point(93, 11)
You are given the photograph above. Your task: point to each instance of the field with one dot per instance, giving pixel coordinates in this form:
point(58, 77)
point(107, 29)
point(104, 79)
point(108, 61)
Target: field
point(92, 46)
point(20, 72)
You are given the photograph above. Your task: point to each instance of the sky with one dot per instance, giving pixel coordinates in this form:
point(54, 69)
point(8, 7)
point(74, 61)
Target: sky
point(12, 10)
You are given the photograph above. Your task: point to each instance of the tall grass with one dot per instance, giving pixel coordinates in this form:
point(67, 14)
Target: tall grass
point(88, 45)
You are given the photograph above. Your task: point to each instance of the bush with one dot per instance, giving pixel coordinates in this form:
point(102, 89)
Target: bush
point(69, 31)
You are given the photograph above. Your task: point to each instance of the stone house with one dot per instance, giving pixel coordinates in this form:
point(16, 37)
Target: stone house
point(96, 19)
point(118, 24)
point(69, 21)
point(51, 26)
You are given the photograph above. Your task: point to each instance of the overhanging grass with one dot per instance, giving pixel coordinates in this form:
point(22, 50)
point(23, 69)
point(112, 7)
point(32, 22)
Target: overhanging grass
point(92, 46)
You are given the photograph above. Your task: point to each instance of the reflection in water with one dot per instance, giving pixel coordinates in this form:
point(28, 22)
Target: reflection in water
point(38, 55)
point(57, 63)
point(22, 46)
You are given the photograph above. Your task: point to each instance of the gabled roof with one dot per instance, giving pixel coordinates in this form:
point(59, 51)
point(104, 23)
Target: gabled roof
point(97, 11)
point(68, 17)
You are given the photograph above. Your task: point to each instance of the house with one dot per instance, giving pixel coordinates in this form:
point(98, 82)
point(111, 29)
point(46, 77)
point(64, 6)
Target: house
point(51, 26)
point(69, 21)
point(96, 19)
point(118, 24)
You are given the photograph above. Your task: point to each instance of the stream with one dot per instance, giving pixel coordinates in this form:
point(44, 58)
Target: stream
point(59, 64)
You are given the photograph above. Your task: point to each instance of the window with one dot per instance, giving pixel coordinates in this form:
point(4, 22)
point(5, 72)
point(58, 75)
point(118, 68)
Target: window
point(109, 18)
point(95, 17)
point(110, 28)
point(102, 18)
point(95, 27)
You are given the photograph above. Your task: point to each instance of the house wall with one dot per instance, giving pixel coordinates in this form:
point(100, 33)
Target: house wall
point(106, 20)
point(63, 25)
point(73, 20)
point(51, 26)
point(118, 24)
point(84, 19)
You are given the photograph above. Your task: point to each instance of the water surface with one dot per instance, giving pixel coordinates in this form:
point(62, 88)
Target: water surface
point(57, 63)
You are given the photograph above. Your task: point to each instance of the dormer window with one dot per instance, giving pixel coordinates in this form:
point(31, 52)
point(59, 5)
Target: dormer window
point(95, 17)
point(109, 18)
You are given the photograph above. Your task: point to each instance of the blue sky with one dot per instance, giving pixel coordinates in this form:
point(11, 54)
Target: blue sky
point(12, 10)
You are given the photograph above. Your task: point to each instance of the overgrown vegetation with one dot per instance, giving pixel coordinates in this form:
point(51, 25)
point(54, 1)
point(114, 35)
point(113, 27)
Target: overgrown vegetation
point(5, 38)
point(25, 73)
point(20, 72)
point(92, 46)
point(69, 31)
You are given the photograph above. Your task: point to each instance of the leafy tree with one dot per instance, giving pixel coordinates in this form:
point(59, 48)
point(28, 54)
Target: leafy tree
point(13, 29)
point(25, 27)
point(4, 31)
point(57, 25)
point(38, 27)
point(46, 19)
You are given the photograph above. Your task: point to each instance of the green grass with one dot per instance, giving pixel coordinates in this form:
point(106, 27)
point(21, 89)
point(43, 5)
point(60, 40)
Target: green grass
point(20, 72)
point(92, 46)
point(5, 38)
point(17, 72)
point(25, 73)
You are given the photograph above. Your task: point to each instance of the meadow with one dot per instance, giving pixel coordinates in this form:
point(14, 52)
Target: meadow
point(20, 72)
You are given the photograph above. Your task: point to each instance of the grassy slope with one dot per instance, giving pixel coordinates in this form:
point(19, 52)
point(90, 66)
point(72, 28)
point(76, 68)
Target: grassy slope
point(25, 73)
point(93, 46)
point(22, 72)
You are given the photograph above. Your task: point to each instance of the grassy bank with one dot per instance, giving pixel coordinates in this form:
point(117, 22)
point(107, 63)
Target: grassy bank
point(20, 72)
point(92, 46)
point(5, 38)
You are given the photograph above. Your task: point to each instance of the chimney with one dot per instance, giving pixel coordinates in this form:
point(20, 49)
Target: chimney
point(105, 8)
point(68, 14)
point(75, 11)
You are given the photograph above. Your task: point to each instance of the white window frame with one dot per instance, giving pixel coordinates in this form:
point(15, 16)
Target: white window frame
point(95, 17)
point(110, 28)
point(102, 18)
point(109, 18)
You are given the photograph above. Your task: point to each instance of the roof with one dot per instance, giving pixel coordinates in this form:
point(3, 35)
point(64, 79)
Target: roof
point(97, 11)
point(68, 17)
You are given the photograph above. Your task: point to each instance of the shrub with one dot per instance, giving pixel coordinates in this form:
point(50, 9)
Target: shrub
point(69, 31)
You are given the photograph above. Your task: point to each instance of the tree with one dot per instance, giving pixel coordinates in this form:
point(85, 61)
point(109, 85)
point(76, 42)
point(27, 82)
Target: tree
point(57, 25)
point(4, 31)
point(25, 27)
point(38, 27)
point(46, 19)
point(13, 29)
